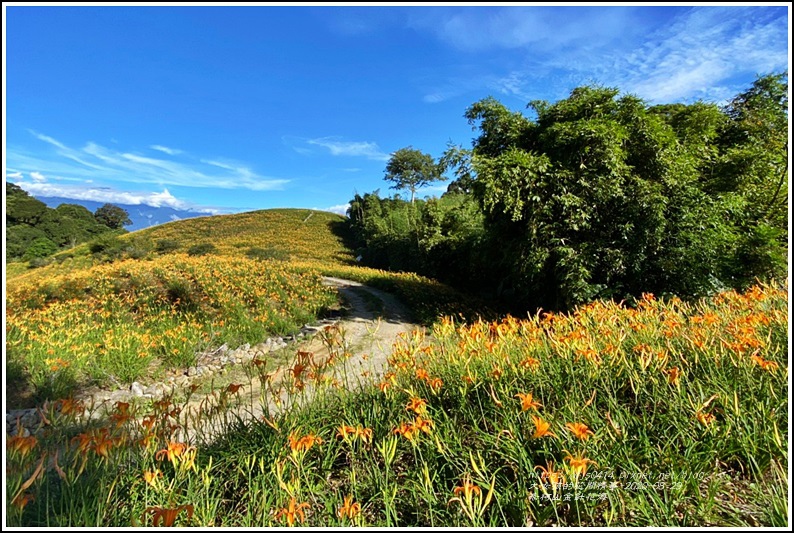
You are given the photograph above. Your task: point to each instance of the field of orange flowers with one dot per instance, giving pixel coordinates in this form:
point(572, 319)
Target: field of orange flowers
point(92, 319)
point(661, 413)
point(118, 322)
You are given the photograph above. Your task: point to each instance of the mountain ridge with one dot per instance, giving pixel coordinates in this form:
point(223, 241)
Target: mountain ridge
point(142, 215)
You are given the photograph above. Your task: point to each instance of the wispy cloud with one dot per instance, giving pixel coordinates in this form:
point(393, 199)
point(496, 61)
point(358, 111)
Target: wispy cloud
point(476, 29)
point(165, 149)
point(701, 51)
point(111, 165)
point(109, 195)
point(662, 53)
point(338, 147)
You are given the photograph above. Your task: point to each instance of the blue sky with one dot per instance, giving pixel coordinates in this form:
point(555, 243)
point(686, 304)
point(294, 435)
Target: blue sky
point(234, 108)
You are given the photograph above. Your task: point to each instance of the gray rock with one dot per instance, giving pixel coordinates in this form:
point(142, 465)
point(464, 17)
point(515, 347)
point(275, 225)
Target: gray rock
point(136, 389)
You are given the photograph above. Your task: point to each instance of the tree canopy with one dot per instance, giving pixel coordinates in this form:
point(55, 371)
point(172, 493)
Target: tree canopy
point(411, 169)
point(112, 216)
point(600, 195)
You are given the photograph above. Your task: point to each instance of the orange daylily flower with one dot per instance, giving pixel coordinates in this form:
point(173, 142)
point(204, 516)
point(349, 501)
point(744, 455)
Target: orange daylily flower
point(22, 500)
point(303, 444)
point(233, 388)
point(174, 451)
point(119, 418)
point(527, 402)
point(83, 442)
point(435, 383)
point(407, 431)
point(423, 424)
point(673, 375)
point(541, 428)
point(531, 363)
point(151, 477)
point(705, 418)
point(344, 431)
point(579, 430)
point(364, 434)
point(763, 363)
point(148, 422)
point(578, 464)
point(102, 443)
point(168, 516)
point(417, 405)
point(550, 476)
point(23, 445)
point(349, 509)
point(70, 406)
point(467, 488)
point(292, 511)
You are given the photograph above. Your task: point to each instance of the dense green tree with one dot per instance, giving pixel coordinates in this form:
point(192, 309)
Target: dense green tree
point(21, 208)
point(600, 195)
point(41, 247)
point(112, 216)
point(28, 219)
point(19, 238)
point(411, 169)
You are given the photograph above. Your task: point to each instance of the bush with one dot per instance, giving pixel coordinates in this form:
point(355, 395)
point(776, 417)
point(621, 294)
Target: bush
point(202, 249)
point(164, 246)
point(41, 247)
point(38, 262)
point(267, 253)
point(107, 244)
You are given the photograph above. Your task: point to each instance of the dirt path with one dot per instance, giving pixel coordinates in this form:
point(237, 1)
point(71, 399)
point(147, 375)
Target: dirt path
point(366, 334)
point(359, 345)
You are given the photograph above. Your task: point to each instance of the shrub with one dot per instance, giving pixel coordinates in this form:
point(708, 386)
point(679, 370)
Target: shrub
point(267, 253)
point(41, 247)
point(164, 246)
point(202, 249)
point(107, 244)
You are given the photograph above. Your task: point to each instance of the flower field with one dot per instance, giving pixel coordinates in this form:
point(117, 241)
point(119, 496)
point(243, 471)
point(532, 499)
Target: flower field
point(118, 322)
point(91, 319)
point(662, 413)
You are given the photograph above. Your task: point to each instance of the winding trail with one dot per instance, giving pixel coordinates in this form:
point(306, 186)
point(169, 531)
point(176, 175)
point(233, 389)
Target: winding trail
point(372, 323)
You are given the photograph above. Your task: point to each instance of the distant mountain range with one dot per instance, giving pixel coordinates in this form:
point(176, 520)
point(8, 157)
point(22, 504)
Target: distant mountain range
point(142, 216)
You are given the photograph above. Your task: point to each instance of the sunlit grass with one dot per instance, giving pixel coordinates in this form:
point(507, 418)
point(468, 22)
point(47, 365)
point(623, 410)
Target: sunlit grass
point(122, 321)
point(660, 414)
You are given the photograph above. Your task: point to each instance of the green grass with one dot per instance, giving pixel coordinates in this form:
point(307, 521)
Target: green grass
point(685, 408)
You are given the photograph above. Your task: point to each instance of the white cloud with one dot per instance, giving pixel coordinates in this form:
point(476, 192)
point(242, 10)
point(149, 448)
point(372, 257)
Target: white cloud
point(167, 150)
point(37, 176)
point(340, 209)
point(370, 150)
point(545, 28)
point(660, 53)
point(110, 165)
point(701, 51)
point(108, 195)
point(436, 97)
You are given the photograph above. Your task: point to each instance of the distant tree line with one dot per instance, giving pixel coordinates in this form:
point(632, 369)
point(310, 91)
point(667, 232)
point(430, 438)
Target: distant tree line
point(595, 196)
point(35, 231)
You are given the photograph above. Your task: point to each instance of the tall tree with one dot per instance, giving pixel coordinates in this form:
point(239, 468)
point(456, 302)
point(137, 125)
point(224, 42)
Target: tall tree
point(112, 216)
point(411, 169)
